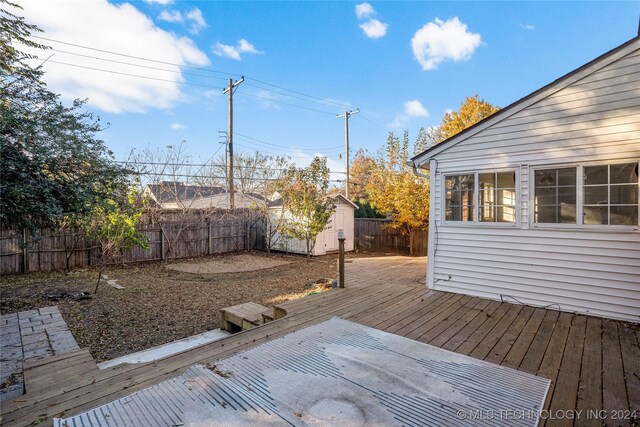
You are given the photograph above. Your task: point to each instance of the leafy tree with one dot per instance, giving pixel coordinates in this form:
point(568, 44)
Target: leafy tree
point(51, 163)
point(305, 200)
point(113, 225)
point(394, 188)
point(472, 110)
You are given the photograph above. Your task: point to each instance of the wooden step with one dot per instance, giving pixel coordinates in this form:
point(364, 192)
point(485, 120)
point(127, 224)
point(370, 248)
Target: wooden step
point(244, 316)
point(56, 371)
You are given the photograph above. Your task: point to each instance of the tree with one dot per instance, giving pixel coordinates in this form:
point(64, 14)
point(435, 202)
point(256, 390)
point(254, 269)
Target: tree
point(113, 226)
point(306, 201)
point(51, 163)
point(361, 171)
point(472, 110)
point(394, 188)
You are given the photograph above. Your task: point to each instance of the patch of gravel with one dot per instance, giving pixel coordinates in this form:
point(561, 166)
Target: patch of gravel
point(158, 304)
point(230, 264)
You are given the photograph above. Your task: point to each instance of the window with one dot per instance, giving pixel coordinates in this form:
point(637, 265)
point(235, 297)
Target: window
point(606, 195)
point(459, 197)
point(497, 197)
point(611, 194)
point(555, 196)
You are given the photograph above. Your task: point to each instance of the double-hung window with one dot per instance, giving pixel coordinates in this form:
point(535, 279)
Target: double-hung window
point(604, 194)
point(481, 197)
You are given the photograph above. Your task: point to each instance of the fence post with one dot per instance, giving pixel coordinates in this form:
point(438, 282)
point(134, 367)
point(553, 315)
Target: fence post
point(248, 239)
point(208, 238)
point(25, 251)
point(161, 245)
point(341, 239)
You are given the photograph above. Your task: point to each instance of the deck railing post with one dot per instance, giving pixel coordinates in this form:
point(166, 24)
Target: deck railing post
point(341, 240)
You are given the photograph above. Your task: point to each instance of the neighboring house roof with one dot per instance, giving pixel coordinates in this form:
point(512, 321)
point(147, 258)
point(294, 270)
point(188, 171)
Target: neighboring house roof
point(174, 194)
point(278, 202)
point(421, 160)
point(171, 191)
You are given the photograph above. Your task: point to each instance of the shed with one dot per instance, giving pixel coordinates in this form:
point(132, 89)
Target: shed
point(327, 241)
point(538, 203)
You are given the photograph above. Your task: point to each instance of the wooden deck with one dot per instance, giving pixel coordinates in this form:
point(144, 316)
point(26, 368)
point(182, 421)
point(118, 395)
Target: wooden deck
point(594, 363)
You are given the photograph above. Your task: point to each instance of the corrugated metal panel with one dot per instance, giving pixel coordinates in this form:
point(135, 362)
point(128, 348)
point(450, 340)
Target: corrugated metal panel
point(596, 271)
point(334, 373)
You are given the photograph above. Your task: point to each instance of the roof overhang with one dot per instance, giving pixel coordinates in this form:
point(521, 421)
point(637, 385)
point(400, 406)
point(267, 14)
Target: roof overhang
point(421, 161)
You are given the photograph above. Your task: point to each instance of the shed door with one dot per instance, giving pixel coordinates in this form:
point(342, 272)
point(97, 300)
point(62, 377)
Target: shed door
point(331, 235)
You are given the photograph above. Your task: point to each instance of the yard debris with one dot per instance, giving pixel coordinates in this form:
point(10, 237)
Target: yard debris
point(215, 370)
point(56, 296)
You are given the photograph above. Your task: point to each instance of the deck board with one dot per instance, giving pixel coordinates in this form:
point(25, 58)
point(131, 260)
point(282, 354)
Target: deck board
point(592, 363)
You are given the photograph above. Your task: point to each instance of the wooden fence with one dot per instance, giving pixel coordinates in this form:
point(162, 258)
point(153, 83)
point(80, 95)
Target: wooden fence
point(373, 235)
point(65, 249)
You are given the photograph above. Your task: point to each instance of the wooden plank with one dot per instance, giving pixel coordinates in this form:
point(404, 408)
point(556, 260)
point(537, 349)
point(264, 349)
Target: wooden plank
point(401, 318)
point(532, 359)
point(493, 336)
point(590, 389)
point(566, 389)
point(550, 364)
point(435, 327)
point(614, 394)
point(631, 360)
point(494, 309)
point(481, 332)
point(427, 321)
point(468, 317)
point(519, 347)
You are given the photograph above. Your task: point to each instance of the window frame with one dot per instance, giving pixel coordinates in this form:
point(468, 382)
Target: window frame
point(476, 199)
point(579, 197)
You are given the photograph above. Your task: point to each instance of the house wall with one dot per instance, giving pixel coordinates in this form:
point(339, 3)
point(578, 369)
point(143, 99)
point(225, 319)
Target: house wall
point(588, 269)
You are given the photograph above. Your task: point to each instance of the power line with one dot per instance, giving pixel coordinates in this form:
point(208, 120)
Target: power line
point(200, 165)
point(323, 101)
point(284, 103)
point(291, 148)
point(135, 57)
point(131, 75)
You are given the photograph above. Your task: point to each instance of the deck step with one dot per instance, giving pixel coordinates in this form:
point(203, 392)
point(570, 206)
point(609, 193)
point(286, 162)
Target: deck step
point(244, 316)
point(52, 372)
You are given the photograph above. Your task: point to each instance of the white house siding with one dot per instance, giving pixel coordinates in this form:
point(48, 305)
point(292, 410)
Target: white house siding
point(595, 271)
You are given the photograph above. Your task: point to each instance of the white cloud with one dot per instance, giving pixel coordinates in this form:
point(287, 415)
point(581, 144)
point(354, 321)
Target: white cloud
point(412, 109)
point(364, 10)
point(171, 16)
point(235, 52)
point(194, 16)
point(529, 27)
point(177, 126)
point(374, 29)
point(197, 20)
point(164, 2)
point(110, 27)
point(441, 40)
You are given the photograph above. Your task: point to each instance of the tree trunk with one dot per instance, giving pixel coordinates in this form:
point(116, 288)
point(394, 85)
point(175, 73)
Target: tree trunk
point(308, 251)
point(95, 292)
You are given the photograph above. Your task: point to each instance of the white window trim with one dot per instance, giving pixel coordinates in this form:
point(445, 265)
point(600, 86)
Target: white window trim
point(579, 225)
point(476, 201)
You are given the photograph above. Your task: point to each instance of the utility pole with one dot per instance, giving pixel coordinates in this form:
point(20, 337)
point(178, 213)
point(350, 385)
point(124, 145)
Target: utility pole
point(230, 89)
point(346, 116)
point(224, 139)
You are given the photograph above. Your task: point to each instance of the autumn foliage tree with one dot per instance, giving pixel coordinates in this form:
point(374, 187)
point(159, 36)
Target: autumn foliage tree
point(472, 110)
point(306, 201)
point(394, 188)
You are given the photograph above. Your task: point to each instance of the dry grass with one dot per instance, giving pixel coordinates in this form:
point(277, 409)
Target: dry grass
point(158, 305)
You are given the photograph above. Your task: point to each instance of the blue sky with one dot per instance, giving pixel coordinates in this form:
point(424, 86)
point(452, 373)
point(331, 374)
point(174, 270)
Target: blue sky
point(404, 64)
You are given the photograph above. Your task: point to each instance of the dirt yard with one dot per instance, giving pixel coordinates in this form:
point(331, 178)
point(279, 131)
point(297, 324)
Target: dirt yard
point(160, 304)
